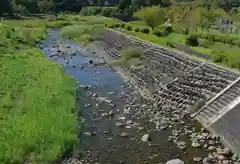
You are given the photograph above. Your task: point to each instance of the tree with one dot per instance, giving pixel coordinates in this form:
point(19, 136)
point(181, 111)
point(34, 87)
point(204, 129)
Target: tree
point(153, 16)
point(123, 4)
point(45, 5)
point(5, 7)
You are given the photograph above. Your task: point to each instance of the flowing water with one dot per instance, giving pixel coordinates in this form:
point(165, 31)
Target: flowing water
point(109, 101)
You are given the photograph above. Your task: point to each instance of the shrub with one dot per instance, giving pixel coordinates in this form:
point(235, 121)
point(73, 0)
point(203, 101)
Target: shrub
point(157, 32)
point(184, 31)
point(129, 28)
point(136, 29)
point(192, 41)
point(130, 53)
point(168, 29)
point(123, 25)
point(207, 43)
point(110, 26)
point(219, 56)
point(117, 25)
point(145, 30)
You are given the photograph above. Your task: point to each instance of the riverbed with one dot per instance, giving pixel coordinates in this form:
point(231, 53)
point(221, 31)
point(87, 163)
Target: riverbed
point(117, 123)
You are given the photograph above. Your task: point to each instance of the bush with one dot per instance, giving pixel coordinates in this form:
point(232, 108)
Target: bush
point(123, 25)
point(184, 31)
point(136, 29)
point(110, 26)
point(219, 56)
point(157, 32)
point(129, 28)
point(168, 29)
point(145, 30)
point(192, 41)
point(130, 53)
point(117, 25)
point(207, 43)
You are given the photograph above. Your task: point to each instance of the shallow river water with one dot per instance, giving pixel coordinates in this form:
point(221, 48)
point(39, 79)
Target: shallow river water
point(113, 114)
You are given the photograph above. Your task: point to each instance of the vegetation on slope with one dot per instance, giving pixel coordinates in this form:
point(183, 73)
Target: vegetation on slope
point(38, 119)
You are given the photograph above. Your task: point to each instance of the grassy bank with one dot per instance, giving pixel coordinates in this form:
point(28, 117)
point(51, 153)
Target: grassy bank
point(37, 117)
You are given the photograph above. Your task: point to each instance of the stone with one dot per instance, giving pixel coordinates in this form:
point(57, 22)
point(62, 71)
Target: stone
point(175, 161)
point(182, 145)
point(146, 138)
point(84, 86)
point(87, 133)
point(124, 134)
point(207, 160)
point(235, 157)
point(211, 148)
point(221, 157)
point(225, 162)
point(224, 151)
point(197, 159)
point(87, 105)
point(110, 93)
point(90, 61)
point(119, 124)
point(195, 144)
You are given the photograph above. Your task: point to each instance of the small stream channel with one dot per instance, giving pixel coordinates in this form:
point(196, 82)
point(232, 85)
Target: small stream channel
point(113, 114)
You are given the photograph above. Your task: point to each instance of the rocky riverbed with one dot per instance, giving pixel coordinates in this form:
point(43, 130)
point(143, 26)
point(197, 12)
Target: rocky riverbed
point(119, 126)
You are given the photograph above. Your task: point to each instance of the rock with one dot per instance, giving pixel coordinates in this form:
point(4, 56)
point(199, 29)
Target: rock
point(110, 93)
point(146, 138)
point(221, 157)
point(124, 134)
point(181, 145)
point(84, 86)
point(224, 151)
point(195, 144)
point(175, 161)
point(225, 162)
point(207, 160)
point(129, 122)
point(122, 118)
point(87, 105)
point(119, 124)
point(87, 133)
point(211, 142)
point(211, 148)
point(90, 61)
point(197, 159)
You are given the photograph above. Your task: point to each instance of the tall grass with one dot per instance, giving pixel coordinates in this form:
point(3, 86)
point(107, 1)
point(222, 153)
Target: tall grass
point(83, 33)
point(37, 117)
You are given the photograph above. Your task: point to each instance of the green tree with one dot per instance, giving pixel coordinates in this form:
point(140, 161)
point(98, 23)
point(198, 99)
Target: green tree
point(45, 5)
point(5, 7)
point(123, 4)
point(153, 16)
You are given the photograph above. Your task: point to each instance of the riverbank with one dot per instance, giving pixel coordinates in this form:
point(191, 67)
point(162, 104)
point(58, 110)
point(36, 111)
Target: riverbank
point(37, 103)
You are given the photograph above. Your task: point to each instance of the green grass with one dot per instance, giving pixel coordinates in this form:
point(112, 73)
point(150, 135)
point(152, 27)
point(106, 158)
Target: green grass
point(37, 101)
point(83, 33)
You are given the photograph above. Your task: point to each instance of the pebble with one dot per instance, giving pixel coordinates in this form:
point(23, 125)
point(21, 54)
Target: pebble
point(221, 157)
point(87, 105)
point(225, 162)
point(211, 148)
point(146, 138)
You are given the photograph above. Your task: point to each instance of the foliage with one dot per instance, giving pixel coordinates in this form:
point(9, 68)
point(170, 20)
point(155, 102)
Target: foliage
point(136, 29)
point(38, 120)
point(192, 41)
point(83, 33)
point(123, 4)
point(130, 53)
point(145, 30)
point(129, 28)
point(153, 16)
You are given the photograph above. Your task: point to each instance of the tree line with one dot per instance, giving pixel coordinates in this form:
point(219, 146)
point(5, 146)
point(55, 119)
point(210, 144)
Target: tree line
point(43, 6)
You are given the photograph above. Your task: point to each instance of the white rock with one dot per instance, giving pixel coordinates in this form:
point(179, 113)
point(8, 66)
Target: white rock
point(145, 137)
point(175, 161)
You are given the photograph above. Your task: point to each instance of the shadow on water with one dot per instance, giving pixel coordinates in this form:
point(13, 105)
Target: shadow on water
point(106, 103)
